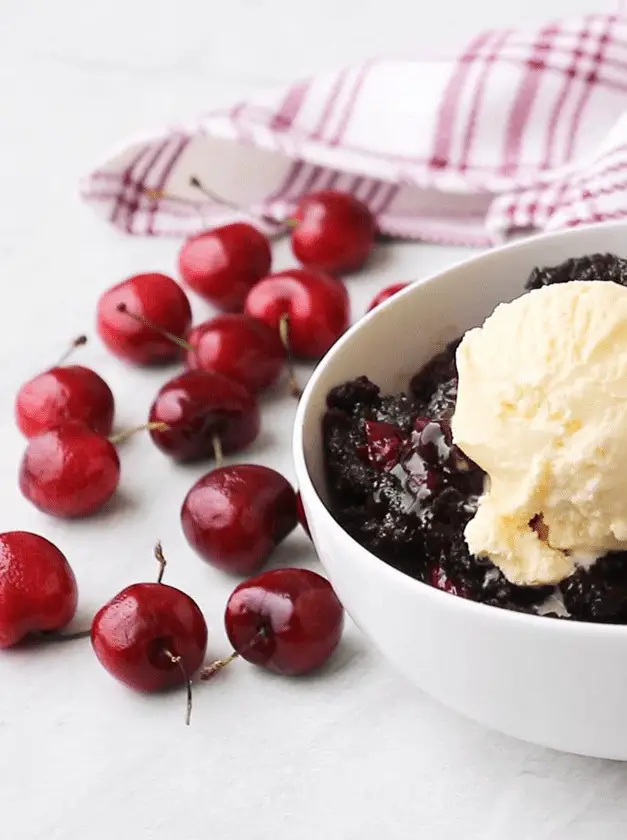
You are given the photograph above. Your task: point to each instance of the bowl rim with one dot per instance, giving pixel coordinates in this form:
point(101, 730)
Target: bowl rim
point(305, 482)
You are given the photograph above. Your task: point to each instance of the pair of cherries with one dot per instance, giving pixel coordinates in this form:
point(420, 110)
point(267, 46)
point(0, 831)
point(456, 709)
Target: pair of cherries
point(152, 636)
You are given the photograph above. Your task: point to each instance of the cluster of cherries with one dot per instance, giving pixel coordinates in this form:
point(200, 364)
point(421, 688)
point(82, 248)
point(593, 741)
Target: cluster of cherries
point(152, 636)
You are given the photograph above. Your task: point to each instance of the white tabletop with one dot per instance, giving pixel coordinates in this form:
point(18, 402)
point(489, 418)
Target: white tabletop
point(352, 753)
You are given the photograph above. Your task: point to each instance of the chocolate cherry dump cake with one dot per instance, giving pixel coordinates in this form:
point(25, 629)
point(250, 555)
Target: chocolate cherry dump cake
point(401, 487)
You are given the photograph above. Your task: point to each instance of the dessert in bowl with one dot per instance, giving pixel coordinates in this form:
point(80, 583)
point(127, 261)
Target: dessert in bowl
point(519, 626)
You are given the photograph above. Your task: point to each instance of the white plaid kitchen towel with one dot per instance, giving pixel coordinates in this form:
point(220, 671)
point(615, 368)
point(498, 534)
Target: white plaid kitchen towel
point(522, 130)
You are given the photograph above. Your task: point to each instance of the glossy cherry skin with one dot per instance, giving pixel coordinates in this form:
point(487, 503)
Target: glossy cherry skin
point(38, 590)
point(222, 265)
point(302, 517)
point(61, 394)
point(334, 232)
point(69, 471)
point(155, 297)
point(386, 293)
point(137, 633)
point(287, 620)
point(198, 406)
point(240, 347)
point(316, 304)
point(235, 516)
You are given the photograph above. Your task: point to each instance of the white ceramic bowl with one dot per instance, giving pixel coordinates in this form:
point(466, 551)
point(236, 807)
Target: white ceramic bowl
point(557, 683)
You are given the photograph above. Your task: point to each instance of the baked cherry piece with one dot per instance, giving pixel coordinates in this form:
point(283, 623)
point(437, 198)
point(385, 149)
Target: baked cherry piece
point(236, 515)
point(64, 392)
point(223, 264)
point(206, 414)
point(240, 347)
point(386, 293)
point(69, 471)
point(38, 590)
point(153, 298)
point(300, 512)
point(314, 306)
point(287, 620)
point(151, 636)
point(332, 231)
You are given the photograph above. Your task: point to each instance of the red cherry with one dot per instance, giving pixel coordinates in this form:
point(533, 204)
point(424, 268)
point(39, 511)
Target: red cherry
point(386, 293)
point(138, 634)
point(151, 636)
point(37, 587)
point(240, 347)
point(333, 231)
point(69, 471)
point(223, 264)
point(287, 620)
point(69, 392)
point(302, 517)
point(235, 516)
point(315, 305)
point(206, 413)
point(153, 298)
point(61, 394)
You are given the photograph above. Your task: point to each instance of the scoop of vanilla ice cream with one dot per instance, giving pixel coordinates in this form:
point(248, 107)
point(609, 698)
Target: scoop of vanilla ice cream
point(542, 408)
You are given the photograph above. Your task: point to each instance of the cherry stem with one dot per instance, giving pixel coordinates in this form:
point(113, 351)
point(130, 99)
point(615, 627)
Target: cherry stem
point(197, 184)
point(176, 339)
point(123, 436)
point(211, 670)
point(218, 454)
point(284, 333)
point(160, 558)
point(78, 342)
point(214, 668)
point(176, 660)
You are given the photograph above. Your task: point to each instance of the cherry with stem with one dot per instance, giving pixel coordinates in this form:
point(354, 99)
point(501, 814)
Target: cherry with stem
point(236, 345)
point(64, 392)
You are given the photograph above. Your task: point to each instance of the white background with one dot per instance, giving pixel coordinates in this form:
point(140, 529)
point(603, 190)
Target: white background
point(353, 753)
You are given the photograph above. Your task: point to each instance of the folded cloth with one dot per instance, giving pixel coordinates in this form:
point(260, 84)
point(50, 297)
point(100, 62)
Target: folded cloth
point(522, 130)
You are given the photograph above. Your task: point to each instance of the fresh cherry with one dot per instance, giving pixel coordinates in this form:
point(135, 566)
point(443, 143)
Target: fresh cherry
point(236, 515)
point(240, 347)
point(151, 636)
point(157, 301)
point(302, 517)
point(332, 231)
point(38, 590)
point(205, 414)
point(65, 392)
point(312, 307)
point(71, 471)
point(222, 265)
point(287, 620)
point(386, 293)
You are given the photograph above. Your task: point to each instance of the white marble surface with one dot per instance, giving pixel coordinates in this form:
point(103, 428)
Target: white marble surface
point(351, 753)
